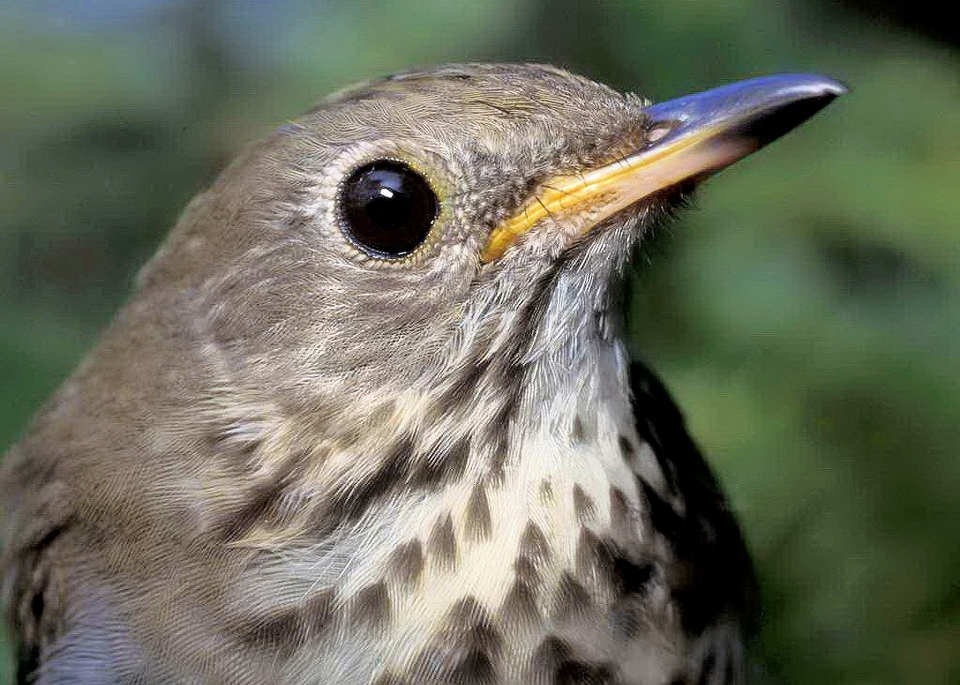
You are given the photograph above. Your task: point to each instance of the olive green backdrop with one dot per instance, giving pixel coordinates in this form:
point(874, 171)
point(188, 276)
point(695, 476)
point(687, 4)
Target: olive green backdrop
point(806, 312)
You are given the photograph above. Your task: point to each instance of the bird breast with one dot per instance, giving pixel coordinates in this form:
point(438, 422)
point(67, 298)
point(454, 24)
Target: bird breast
point(547, 562)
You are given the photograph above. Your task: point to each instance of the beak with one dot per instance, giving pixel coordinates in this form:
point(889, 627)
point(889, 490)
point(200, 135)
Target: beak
point(688, 138)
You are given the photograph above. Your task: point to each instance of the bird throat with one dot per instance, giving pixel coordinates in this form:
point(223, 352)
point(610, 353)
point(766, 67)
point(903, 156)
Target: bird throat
point(501, 537)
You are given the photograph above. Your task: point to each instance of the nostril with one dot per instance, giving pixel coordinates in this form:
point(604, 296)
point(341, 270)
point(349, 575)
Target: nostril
point(658, 132)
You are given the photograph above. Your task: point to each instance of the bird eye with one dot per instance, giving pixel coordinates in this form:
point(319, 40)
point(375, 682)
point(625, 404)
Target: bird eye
point(388, 208)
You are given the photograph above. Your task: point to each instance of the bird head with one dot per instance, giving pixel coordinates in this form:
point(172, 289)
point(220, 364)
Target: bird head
point(397, 269)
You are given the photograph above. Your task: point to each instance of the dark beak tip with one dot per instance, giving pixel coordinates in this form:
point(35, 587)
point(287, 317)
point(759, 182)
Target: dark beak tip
point(763, 108)
point(798, 87)
point(833, 87)
point(778, 104)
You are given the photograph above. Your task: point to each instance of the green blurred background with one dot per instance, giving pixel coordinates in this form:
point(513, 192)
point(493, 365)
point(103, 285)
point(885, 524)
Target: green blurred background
point(806, 313)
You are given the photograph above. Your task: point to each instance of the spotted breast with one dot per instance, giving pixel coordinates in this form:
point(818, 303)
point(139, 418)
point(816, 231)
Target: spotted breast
point(591, 547)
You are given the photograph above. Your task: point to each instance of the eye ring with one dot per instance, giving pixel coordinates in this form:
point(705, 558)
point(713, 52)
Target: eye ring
point(387, 208)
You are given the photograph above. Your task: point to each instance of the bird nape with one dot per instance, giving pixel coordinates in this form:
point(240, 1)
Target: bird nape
point(368, 417)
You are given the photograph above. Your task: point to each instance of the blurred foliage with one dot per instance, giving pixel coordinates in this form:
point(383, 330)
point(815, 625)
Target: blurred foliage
point(806, 313)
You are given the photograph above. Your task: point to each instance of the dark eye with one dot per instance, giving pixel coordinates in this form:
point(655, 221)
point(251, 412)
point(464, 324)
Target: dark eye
point(388, 208)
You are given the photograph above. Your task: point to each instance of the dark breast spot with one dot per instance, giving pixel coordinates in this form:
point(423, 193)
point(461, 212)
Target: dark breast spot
point(477, 523)
point(533, 544)
point(571, 598)
point(370, 607)
point(581, 673)
point(403, 467)
point(665, 519)
point(520, 607)
point(461, 390)
point(454, 461)
point(262, 503)
point(465, 650)
point(394, 471)
point(546, 491)
point(527, 572)
point(594, 562)
point(496, 439)
point(553, 663)
point(621, 522)
point(583, 505)
point(632, 577)
point(473, 668)
point(291, 627)
point(438, 464)
point(604, 564)
point(406, 563)
point(442, 544)
point(258, 509)
point(550, 653)
point(650, 435)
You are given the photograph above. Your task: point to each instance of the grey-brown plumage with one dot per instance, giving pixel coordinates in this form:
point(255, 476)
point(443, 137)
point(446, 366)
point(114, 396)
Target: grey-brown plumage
point(367, 417)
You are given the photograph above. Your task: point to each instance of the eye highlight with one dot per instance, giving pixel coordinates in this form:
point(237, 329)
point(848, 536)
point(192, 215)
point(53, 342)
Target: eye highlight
point(387, 208)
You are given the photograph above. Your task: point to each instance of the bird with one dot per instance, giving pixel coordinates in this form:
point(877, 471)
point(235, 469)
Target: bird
point(368, 417)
